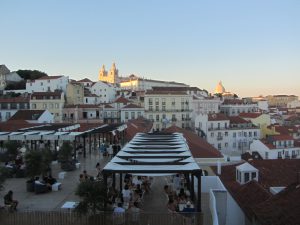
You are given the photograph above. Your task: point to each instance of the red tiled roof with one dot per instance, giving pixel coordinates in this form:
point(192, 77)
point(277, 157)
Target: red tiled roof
point(175, 89)
point(27, 115)
point(233, 102)
point(250, 115)
point(85, 80)
point(271, 173)
point(281, 209)
point(281, 137)
point(198, 146)
point(249, 195)
point(88, 126)
point(12, 126)
point(151, 92)
point(137, 125)
point(108, 107)
point(121, 100)
point(18, 99)
point(132, 106)
point(217, 117)
point(237, 120)
point(82, 106)
point(49, 77)
point(41, 95)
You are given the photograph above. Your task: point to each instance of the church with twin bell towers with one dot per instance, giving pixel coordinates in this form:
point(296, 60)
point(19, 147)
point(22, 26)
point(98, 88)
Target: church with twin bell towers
point(110, 77)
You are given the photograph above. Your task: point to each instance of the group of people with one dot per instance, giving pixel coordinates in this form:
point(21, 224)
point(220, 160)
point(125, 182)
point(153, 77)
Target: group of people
point(109, 150)
point(178, 195)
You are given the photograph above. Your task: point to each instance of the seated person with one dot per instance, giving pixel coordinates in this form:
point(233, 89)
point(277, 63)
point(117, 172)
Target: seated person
point(188, 208)
point(43, 183)
point(182, 193)
point(8, 200)
point(171, 205)
point(139, 190)
point(136, 198)
point(81, 178)
point(51, 180)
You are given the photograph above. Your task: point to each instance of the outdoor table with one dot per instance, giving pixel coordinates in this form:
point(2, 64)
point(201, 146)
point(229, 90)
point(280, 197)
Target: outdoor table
point(69, 205)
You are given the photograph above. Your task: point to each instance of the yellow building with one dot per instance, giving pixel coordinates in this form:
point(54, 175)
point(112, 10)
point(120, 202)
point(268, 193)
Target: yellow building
point(53, 101)
point(280, 100)
point(75, 93)
point(260, 120)
point(110, 77)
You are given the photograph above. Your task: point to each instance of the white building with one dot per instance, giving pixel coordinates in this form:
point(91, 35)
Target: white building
point(207, 105)
point(131, 111)
point(233, 107)
point(9, 106)
point(293, 104)
point(166, 108)
point(140, 84)
point(228, 134)
point(106, 91)
point(276, 147)
point(86, 82)
point(47, 84)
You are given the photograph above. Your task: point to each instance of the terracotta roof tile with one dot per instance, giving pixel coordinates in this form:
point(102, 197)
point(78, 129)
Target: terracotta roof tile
point(237, 120)
point(151, 92)
point(121, 100)
point(137, 125)
point(217, 117)
point(250, 115)
point(15, 100)
point(132, 106)
point(198, 146)
point(281, 209)
point(27, 115)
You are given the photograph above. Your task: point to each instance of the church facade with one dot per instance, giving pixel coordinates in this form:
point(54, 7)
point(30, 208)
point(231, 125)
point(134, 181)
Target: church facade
point(111, 76)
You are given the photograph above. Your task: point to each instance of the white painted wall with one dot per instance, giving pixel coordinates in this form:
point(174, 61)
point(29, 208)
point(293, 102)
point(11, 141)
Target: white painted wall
point(45, 85)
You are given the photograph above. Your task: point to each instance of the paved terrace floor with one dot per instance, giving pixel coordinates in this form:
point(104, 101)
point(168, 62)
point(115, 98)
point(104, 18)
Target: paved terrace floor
point(154, 201)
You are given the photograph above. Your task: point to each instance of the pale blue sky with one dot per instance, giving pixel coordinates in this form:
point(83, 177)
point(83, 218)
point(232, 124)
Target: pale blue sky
point(252, 46)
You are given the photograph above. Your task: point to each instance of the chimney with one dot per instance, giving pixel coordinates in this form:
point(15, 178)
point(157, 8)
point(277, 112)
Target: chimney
point(219, 167)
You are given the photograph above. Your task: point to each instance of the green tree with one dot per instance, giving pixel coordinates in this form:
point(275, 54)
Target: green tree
point(12, 149)
point(37, 162)
point(93, 195)
point(31, 74)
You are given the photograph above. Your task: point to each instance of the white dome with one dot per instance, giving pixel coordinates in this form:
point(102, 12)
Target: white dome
point(219, 89)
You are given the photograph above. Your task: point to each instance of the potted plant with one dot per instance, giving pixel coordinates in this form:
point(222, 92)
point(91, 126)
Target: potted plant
point(93, 196)
point(65, 157)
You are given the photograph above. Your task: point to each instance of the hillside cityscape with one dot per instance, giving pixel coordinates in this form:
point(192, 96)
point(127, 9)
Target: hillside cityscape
point(241, 164)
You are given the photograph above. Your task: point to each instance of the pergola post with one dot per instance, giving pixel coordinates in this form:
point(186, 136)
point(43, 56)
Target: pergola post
point(114, 180)
point(121, 182)
point(95, 141)
point(105, 185)
point(99, 142)
point(199, 192)
point(74, 148)
point(192, 187)
point(84, 152)
point(90, 144)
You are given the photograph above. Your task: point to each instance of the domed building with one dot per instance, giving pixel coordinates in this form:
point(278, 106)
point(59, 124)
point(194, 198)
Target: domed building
point(220, 89)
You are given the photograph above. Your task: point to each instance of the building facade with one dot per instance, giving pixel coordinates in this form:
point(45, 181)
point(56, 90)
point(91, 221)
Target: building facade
point(47, 84)
point(166, 108)
point(106, 91)
point(227, 134)
point(111, 76)
point(75, 93)
point(53, 101)
point(280, 100)
point(9, 106)
point(233, 107)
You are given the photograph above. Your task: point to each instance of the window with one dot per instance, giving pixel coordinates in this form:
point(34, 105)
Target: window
point(33, 106)
point(247, 178)
point(212, 134)
point(156, 107)
point(151, 117)
point(150, 108)
point(139, 114)
point(226, 134)
point(253, 175)
point(279, 155)
point(254, 133)
point(226, 145)
point(45, 106)
point(126, 115)
point(56, 105)
point(234, 145)
point(41, 83)
point(132, 115)
point(219, 146)
point(234, 134)
point(157, 118)
point(250, 134)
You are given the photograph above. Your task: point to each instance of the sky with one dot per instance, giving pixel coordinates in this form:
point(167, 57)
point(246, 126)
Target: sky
point(253, 47)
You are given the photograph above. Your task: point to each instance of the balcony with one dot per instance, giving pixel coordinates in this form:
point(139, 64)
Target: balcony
point(219, 138)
